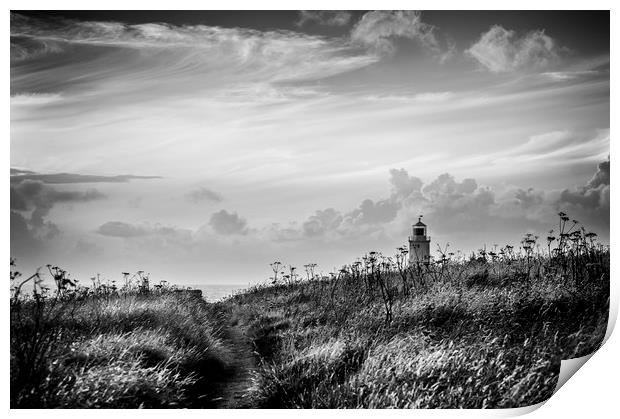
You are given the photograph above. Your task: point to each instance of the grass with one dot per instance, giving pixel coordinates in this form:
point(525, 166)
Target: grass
point(445, 348)
point(485, 331)
point(488, 331)
point(115, 350)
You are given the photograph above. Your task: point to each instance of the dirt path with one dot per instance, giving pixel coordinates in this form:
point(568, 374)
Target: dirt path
point(235, 392)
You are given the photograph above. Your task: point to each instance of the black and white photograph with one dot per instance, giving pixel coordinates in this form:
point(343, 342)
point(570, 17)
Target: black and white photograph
point(306, 209)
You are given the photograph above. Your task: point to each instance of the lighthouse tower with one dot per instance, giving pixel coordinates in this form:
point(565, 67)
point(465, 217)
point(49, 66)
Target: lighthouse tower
point(419, 244)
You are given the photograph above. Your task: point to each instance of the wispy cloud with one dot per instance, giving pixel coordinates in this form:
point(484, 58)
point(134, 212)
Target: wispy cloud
point(559, 147)
point(222, 56)
point(426, 97)
point(18, 176)
point(35, 99)
point(121, 229)
point(202, 194)
point(560, 76)
point(324, 17)
point(541, 152)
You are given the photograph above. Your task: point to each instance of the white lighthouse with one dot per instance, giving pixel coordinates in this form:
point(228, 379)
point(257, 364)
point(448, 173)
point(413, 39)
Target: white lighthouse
point(419, 244)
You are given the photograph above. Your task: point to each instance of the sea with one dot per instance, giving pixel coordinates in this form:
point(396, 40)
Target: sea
point(217, 292)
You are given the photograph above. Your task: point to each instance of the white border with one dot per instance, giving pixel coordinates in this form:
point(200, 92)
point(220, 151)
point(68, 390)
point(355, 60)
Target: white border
point(592, 392)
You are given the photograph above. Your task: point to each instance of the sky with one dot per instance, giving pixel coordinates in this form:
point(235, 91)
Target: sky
point(202, 146)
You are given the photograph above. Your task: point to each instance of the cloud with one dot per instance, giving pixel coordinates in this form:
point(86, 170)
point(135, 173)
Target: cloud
point(222, 57)
point(23, 241)
point(39, 199)
point(30, 203)
point(404, 185)
point(370, 212)
point(529, 198)
point(555, 148)
point(17, 202)
point(15, 171)
point(18, 176)
point(500, 50)
point(379, 29)
point(34, 194)
point(443, 197)
point(586, 198)
point(460, 209)
point(35, 99)
point(591, 198)
point(86, 247)
point(152, 241)
point(322, 221)
point(121, 229)
point(601, 177)
point(445, 184)
point(324, 17)
point(426, 98)
point(562, 76)
point(226, 223)
point(203, 194)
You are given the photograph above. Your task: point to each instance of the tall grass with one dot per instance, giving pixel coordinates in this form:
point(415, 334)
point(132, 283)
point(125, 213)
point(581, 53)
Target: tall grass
point(103, 347)
point(482, 331)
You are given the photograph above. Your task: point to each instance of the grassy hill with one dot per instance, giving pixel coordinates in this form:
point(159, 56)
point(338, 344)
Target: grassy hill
point(491, 340)
point(487, 331)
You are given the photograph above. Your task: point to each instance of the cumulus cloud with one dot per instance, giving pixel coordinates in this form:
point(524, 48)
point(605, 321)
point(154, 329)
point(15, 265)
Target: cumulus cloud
point(460, 209)
point(443, 197)
point(457, 210)
point(593, 197)
point(378, 29)
point(404, 185)
point(322, 221)
point(228, 223)
point(529, 198)
point(587, 198)
point(370, 212)
point(500, 50)
point(203, 194)
point(601, 177)
point(445, 184)
point(324, 17)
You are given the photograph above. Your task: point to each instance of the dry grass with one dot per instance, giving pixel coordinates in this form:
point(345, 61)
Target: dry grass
point(116, 350)
point(480, 335)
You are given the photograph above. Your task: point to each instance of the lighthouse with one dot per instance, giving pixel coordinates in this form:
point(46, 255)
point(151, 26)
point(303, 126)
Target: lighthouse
point(419, 244)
